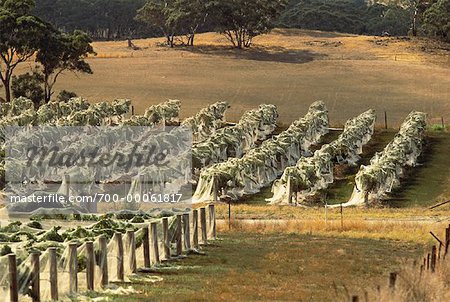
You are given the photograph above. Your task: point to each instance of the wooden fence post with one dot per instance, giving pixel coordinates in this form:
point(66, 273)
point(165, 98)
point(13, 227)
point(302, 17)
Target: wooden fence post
point(131, 248)
point(203, 225)
point(447, 240)
point(155, 247)
point(53, 273)
point(440, 244)
point(385, 120)
point(215, 190)
point(289, 189)
point(392, 280)
point(35, 282)
point(355, 299)
point(229, 214)
point(433, 259)
point(120, 267)
point(67, 181)
point(428, 261)
point(13, 286)
point(179, 235)
point(141, 187)
point(166, 239)
point(73, 268)
point(90, 265)
point(104, 260)
point(186, 232)
point(146, 246)
point(212, 220)
point(195, 228)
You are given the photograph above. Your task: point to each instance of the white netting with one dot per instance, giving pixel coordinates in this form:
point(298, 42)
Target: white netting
point(260, 166)
point(236, 140)
point(4, 278)
point(373, 182)
point(206, 121)
point(311, 174)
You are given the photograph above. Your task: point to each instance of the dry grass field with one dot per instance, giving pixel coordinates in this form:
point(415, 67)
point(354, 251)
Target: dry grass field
point(248, 266)
point(289, 68)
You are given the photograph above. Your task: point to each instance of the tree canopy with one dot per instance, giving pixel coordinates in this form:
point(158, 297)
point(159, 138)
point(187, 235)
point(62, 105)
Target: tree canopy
point(437, 20)
point(350, 16)
point(101, 19)
point(61, 52)
point(20, 36)
point(241, 21)
point(23, 35)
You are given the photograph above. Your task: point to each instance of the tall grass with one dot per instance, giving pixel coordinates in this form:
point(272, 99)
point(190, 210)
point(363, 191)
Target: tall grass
point(415, 286)
point(409, 231)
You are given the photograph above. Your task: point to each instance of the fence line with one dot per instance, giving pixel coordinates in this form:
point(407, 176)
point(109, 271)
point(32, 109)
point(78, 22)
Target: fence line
point(429, 264)
point(150, 243)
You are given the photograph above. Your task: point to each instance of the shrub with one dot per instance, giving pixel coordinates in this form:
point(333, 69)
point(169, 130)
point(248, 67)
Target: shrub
point(29, 85)
point(65, 96)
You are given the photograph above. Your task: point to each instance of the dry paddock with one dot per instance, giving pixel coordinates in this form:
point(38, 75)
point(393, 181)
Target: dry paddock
point(289, 68)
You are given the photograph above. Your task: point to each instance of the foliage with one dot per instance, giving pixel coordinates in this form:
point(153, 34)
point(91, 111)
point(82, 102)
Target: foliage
point(65, 96)
point(397, 17)
point(101, 19)
point(60, 52)
point(52, 235)
point(351, 16)
point(5, 250)
point(339, 15)
point(29, 85)
point(179, 20)
point(241, 21)
point(189, 16)
point(437, 127)
point(391, 19)
point(437, 20)
point(12, 227)
point(156, 13)
point(20, 34)
point(35, 225)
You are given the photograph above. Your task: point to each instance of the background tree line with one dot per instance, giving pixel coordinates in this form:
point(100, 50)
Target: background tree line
point(373, 17)
point(101, 19)
point(51, 32)
point(181, 19)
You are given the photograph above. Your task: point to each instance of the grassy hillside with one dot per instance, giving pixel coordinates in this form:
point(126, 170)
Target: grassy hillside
point(290, 68)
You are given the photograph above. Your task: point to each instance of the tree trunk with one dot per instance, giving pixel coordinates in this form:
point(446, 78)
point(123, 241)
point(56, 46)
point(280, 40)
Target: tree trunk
point(48, 95)
point(414, 24)
point(170, 39)
point(248, 42)
point(6, 84)
point(47, 89)
point(239, 44)
point(192, 35)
